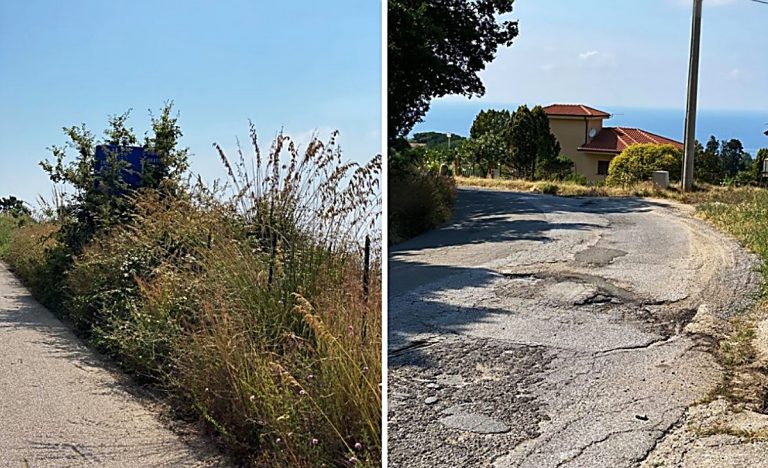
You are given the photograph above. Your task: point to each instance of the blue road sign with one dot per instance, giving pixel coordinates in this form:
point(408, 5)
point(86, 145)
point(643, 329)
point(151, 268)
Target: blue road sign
point(136, 156)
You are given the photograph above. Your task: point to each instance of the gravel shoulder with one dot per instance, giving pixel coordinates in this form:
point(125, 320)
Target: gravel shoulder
point(538, 331)
point(62, 406)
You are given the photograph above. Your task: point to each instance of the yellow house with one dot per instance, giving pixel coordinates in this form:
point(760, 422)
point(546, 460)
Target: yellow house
point(583, 139)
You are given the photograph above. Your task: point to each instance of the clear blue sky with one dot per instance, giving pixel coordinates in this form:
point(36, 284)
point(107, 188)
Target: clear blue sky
point(632, 53)
point(300, 65)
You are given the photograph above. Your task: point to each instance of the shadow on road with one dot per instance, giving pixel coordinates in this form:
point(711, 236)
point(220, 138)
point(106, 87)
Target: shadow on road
point(27, 315)
point(480, 217)
point(32, 326)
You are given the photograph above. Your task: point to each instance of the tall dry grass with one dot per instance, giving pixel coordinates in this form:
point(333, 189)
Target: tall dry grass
point(703, 193)
point(249, 310)
point(25, 251)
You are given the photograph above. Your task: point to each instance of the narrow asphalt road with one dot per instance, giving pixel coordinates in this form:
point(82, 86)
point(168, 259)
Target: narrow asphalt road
point(61, 407)
point(538, 331)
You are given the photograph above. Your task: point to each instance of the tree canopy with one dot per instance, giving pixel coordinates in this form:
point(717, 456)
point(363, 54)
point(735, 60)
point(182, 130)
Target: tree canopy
point(12, 206)
point(757, 167)
point(734, 158)
point(98, 200)
point(437, 47)
point(521, 140)
point(491, 121)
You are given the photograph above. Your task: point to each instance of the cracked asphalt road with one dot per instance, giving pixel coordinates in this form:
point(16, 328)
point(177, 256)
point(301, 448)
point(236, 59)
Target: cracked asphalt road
point(62, 406)
point(538, 331)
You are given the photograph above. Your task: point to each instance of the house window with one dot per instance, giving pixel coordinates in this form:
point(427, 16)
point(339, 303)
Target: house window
point(602, 167)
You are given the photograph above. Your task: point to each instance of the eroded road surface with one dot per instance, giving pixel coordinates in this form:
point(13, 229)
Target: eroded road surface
point(61, 407)
point(538, 331)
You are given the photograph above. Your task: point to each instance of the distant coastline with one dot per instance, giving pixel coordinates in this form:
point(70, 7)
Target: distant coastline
point(746, 126)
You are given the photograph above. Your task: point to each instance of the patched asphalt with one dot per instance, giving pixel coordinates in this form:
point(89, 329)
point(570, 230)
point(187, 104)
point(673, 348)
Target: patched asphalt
point(554, 331)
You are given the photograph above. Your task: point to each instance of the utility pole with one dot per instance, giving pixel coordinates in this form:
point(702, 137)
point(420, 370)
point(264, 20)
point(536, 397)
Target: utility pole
point(693, 90)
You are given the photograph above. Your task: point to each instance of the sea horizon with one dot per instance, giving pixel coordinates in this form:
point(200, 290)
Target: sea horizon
point(745, 125)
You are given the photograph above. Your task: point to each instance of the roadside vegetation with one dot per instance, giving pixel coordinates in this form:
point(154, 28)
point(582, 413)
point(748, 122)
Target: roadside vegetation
point(14, 213)
point(719, 165)
point(420, 196)
point(252, 307)
point(742, 353)
point(435, 48)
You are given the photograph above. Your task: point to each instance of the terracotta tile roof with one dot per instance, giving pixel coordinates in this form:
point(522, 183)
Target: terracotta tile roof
point(616, 139)
point(574, 110)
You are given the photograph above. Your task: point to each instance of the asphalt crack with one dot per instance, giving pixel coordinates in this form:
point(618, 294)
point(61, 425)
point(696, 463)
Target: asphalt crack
point(636, 347)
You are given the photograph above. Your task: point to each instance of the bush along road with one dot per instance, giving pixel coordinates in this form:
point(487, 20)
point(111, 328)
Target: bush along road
point(539, 331)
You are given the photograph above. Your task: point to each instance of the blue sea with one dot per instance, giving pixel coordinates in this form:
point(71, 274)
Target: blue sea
point(746, 126)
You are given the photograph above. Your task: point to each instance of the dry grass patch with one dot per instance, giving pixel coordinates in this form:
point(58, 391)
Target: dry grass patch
point(568, 189)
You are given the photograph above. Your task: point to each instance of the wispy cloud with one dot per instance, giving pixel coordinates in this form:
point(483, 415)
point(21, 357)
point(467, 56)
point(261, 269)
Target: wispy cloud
point(588, 55)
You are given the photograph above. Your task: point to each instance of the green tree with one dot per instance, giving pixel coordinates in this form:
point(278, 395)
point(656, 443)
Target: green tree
point(491, 121)
point(14, 207)
point(759, 164)
point(99, 197)
point(549, 163)
point(708, 166)
point(524, 141)
point(713, 146)
point(437, 47)
point(733, 157)
point(490, 134)
point(487, 151)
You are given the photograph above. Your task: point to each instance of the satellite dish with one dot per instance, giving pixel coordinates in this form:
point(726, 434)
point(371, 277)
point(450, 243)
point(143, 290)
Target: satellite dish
point(592, 132)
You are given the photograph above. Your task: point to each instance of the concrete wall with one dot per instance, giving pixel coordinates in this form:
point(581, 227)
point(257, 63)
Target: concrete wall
point(571, 133)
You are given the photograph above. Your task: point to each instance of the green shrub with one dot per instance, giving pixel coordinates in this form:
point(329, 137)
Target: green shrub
point(98, 201)
point(559, 168)
point(638, 162)
point(418, 202)
point(576, 178)
point(7, 225)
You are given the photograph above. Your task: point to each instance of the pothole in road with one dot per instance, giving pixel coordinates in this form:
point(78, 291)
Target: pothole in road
point(593, 289)
point(599, 298)
point(568, 290)
point(463, 401)
point(598, 256)
point(473, 422)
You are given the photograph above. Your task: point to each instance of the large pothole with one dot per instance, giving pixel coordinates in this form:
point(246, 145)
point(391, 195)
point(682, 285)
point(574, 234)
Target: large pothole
point(462, 401)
